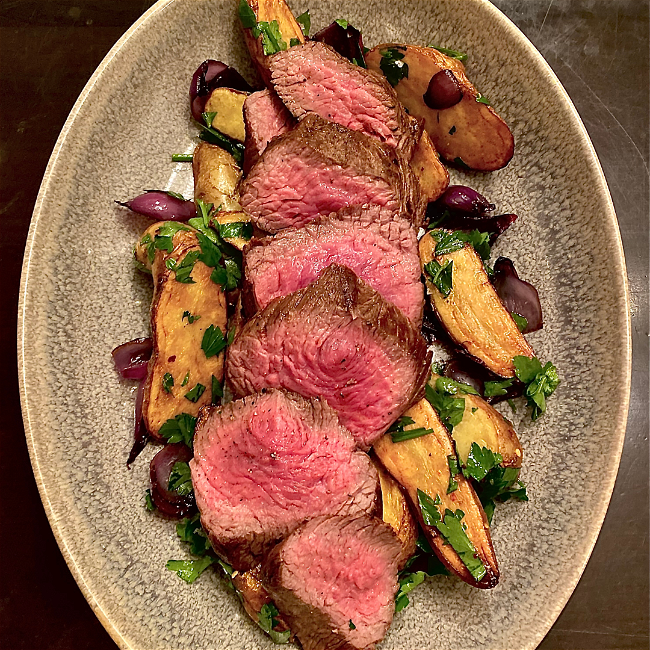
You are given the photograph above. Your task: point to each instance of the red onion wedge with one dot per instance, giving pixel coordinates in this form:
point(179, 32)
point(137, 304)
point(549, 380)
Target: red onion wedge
point(464, 200)
point(131, 358)
point(346, 40)
point(517, 296)
point(140, 433)
point(208, 76)
point(161, 205)
point(443, 91)
point(167, 501)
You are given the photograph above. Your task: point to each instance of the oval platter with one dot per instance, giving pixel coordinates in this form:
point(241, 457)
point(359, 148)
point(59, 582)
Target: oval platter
point(81, 296)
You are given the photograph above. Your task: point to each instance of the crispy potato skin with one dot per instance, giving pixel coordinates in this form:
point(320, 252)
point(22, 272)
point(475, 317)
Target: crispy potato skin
point(268, 11)
point(177, 343)
point(396, 512)
point(432, 174)
point(470, 130)
point(216, 176)
point(472, 313)
point(485, 426)
point(228, 104)
point(421, 463)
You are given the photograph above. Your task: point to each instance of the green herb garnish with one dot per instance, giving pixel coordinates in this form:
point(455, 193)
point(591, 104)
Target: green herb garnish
point(304, 20)
point(190, 317)
point(451, 387)
point(480, 461)
point(450, 409)
point(351, 625)
point(247, 15)
point(148, 501)
point(183, 269)
point(180, 479)
point(500, 484)
point(167, 382)
point(454, 54)
point(189, 530)
point(267, 620)
point(520, 321)
point(407, 583)
point(195, 394)
point(341, 22)
point(540, 382)
point(452, 130)
point(186, 379)
point(243, 229)
point(398, 434)
point(461, 163)
point(483, 100)
point(454, 240)
point(217, 390)
point(392, 66)
point(452, 462)
point(190, 570)
point(179, 429)
point(213, 341)
point(497, 388)
point(440, 275)
point(182, 157)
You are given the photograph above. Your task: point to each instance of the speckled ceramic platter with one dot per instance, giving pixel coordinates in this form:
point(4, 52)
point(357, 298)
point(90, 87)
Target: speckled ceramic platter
point(81, 296)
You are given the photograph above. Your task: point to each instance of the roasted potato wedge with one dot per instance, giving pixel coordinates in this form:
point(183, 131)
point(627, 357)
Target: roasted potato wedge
point(396, 512)
point(485, 426)
point(228, 104)
point(432, 174)
point(472, 313)
point(422, 464)
point(180, 314)
point(141, 252)
point(238, 219)
point(216, 176)
point(470, 133)
point(267, 11)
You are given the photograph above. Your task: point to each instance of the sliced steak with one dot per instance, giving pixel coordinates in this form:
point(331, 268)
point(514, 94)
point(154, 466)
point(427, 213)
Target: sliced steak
point(320, 167)
point(314, 78)
point(337, 339)
point(382, 253)
point(265, 117)
point(264, 464)
point(334, 580)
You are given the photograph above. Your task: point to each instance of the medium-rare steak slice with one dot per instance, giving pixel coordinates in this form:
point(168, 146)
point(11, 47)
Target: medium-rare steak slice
point(265, 117)
point(337, 339)
point(382, 252)
point(314, 78)
point(264, 464)
point(334, 580)
point(320, 167)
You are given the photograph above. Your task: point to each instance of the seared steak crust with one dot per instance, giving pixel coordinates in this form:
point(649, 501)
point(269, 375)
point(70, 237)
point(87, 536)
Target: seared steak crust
point(382, 252)
point(333, 571)
point(337, 339)
point(314, 78)
point(264, 464)
point(320, 167)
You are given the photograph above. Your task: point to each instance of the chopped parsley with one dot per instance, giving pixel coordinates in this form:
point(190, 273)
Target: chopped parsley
point(213, 341)
point(217, 390)
point(190, 570)
point(520, 321)
point(452, 462)
point(398, 434)
point(483, 100)
point(351, 625)
point(407, 583)
point(392, 66)
point(270, 32)
point(228, 275)
point(182, 157)
point(454, 240)
point(293, 42)
point(195, 394)
point(189, 530)
point(179, 429)
point(454, 54)
point(341, 22)
point(450, 409)
point(186, 379)
point(210, 254)
point(497, 388)
point(450, 527)
point(180, 479)
point(148, 501)
point(167, 382)
point(452, 130)
point(214, 136)
point(304, 20)
point(480, 461)
point(500, 484)
point(247, 15)
point(190, 317)
point(452, 387)
point(540, 382)
point(243, 229)
point(461, 163)
point(183, 269)
point(440, 275)
point(267, 620)
point(163, 239)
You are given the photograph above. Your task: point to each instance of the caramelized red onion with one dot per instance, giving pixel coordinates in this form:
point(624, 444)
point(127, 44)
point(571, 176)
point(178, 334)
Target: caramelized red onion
point(208, 76)
point(169, 502)
point(460, 200)
point(140, 433)
point(162, 206)
point(131, 358)
point(517, 295)
point(347, 41)
point(443, 91)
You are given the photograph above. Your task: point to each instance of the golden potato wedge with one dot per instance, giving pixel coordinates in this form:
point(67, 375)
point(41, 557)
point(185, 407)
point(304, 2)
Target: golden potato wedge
point(421, 464)
point(179, 375)
point(142, 251)
point(472, 313)
point(237, 221)
point(432, 174)
point(266, 11)
point(228, 104)
point(485, 426)
point(396, 512)
point(216, 176)
point(469, 133)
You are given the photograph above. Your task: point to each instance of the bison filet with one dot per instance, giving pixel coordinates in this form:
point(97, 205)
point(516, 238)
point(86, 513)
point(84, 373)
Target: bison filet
point(264, 464)
point(340, 340)
point(334, 580)
point(320, 167)
point(314, 78)
point(383, 253)
point(265, 117)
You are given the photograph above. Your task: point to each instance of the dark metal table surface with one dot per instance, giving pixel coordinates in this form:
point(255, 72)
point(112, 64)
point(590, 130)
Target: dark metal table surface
point(49, 49)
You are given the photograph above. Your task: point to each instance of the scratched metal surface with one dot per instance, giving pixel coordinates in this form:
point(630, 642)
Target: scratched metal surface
point(599, 50)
